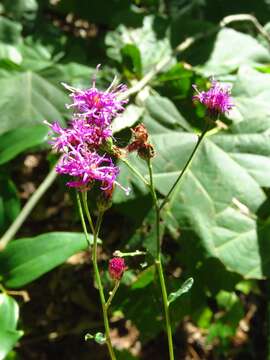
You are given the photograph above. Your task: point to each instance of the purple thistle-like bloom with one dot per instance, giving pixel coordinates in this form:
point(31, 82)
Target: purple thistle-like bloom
point(96, 106)
point(87, 166)
point(81, 142)
point(79, 132)
point(217, 99)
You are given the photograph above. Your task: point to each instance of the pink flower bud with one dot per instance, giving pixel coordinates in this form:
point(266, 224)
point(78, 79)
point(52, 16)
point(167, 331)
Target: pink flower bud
point(116, 268)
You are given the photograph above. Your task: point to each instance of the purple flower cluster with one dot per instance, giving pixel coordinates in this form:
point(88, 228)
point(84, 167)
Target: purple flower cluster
point(217, 99)
point(81, 142)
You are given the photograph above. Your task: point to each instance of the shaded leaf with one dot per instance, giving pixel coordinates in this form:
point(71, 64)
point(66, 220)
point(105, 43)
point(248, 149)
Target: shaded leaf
point(28, 99)
point(25, 260)
point(12, 143)
point(9, 313)
point(151, 46)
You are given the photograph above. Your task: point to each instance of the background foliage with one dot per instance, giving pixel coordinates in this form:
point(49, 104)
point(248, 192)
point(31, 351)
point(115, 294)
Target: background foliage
point(216, 227)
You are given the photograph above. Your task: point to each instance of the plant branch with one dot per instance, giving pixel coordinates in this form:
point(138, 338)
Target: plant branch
point(180, 176)
point(113, 292)
point(158, 263)
point(245, 17)
point(28, 207)
point(82, 220)
point(86, 209)
point(98, 278)
point(135, 171)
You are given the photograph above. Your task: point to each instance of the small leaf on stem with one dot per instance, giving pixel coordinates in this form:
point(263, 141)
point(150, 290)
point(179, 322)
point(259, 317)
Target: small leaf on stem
point(183, 289)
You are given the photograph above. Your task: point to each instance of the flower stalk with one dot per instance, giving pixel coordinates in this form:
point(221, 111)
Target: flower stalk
point(185, 168)
point(158, 263)
point(105, 305)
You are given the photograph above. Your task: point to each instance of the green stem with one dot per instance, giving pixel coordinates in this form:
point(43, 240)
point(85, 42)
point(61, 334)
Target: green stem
point(135, 171)
point(82, 219)
point(86, 209)
point(109, 301)
point(158, 263)
point(166, 307)
point(97, 275)
point(200, 139)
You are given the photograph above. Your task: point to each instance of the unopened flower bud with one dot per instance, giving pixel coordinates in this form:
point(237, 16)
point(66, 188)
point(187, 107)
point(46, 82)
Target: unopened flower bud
point(117, 268)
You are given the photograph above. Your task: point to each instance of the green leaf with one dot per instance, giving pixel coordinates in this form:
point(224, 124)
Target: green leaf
point(9, 202)
point(21, 8)
point(24, 260)
point(165, 112)
point(151, 46)
point(13, 142)
point(9, 314)
point(28, 99)
point(221, 192)
point(182, 290)
point(10, 31)
point(129, 117)
point(144, 278)
point(226, 56)
point(8, 340)
point(131, 59)
point(10, 38)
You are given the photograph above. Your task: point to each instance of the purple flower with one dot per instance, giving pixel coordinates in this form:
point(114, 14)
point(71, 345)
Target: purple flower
point(217, 99)
point(88, 166)
point(79, 132)
point(81, 142)
point(96, 106)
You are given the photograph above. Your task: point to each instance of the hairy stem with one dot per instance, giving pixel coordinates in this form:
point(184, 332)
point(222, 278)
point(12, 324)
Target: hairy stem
point(158, 263)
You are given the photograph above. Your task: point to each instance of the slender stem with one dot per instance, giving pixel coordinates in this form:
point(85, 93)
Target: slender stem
point(166, 307)
point(155, 202)
point(113, 292)
point(158, 263)
point(82, 220)
point(200, 138)
point(86, 209)
point(98, 278)
point(28, 207)
point(135, 171)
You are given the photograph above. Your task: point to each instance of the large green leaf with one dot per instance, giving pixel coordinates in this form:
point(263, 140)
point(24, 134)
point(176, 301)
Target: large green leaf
point(233, 49)
point(10, 37)
point(221, 192)
point(9, 202)
point(13, 142)
point(151, 46)
point(25, 260)
point(9, 314)
point(29, 99)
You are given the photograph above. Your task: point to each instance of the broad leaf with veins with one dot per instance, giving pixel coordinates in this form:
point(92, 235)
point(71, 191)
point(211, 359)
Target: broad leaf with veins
point(221, 192)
